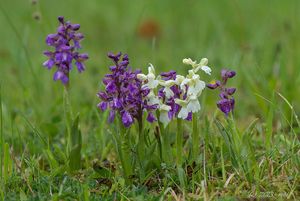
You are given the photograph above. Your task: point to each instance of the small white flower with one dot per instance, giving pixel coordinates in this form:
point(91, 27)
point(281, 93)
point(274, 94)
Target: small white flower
point(203, 62)
point(141, 77)
point(196, 87)
point(152, 83)
point(152, 98)
point(183, 113)
point(193, 104)
point(164, 116)
point(167, 87)
point(189, 61)
point(196, 67)
point(206, 69)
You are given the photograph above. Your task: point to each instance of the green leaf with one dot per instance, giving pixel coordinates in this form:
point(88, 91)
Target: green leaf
point(7, 163)
point(51, 159)
point(76, 144)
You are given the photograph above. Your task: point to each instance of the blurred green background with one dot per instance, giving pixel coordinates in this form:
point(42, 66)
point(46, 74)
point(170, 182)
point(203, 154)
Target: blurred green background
point(258, 39)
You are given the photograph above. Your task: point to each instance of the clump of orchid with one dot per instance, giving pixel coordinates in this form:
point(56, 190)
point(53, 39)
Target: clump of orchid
point(132, 96)
point(176, 96)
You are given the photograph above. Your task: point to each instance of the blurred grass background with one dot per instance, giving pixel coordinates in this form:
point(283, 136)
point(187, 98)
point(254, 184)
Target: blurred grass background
point(258, 39)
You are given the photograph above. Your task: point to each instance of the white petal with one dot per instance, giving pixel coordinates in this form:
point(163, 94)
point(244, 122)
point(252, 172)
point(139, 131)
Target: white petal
point(193, 106)
point(151, 69)
point(141, 77)
point(179, 79)
point(164, 107)
point(203, 62)
point(180, 102)
point(183, 114)
point(168, 92)
point(164, 118)
point(188, 61)
point(152, 84)
point(153, 100)
point(200, 85)
point(206, 69)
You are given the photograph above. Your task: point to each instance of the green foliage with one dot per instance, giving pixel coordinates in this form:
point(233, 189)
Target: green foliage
point(45, 155)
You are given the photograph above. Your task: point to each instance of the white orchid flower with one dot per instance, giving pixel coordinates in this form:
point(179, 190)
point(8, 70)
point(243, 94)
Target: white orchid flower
point(183, 113)
point(152, 99)
point(167, 87)
point(164, 114)
point(191, 104)
point(152, 82)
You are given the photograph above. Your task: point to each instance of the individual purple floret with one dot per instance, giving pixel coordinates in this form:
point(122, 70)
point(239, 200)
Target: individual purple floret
point(226, 104)
point(66, 43)
point(123, 92)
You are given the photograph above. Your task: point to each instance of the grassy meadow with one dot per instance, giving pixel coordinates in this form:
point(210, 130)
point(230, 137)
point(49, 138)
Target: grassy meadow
point(253, 155)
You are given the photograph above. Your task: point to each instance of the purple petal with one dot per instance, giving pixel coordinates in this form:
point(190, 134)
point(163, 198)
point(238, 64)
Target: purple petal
point(213, 86)
point(80, 66)
point(51, 38)
point(111, 87)
point(61, 19)
point(115, 57)
point(58, 75)
point(102, 95)
point(111, 116)
point(49, 63)
point(82, 57)
point(230, 91)
point(151, 118)
point(223, 95)
point(75, 27)
point(127, 119)
point(225, 105)
point(189, 117)
point(116, 103)
point(230, 74)
point(171, 75)
point(103, 105)
point(48, 53)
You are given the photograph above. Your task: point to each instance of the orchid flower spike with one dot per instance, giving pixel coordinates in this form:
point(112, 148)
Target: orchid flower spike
point(197, 66)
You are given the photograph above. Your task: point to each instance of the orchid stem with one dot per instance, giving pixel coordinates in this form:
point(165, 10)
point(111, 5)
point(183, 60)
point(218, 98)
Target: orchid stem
point(179, 142)
point(124, 152)
point(68, 116)
point(195, 137)
point(141, 147)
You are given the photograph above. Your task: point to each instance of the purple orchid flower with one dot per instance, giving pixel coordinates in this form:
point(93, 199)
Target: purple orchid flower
point(227, 102)
point(66, 43)
point(123, 92)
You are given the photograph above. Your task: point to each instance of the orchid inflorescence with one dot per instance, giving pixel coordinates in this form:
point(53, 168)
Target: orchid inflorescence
point(66, 43)
point(226, 104)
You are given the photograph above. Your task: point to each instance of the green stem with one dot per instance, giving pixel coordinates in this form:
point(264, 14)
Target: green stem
point(141, 142)
point(158, 138)
point(179, 142)
point(124, 151)
point(165, 149)
point(195, 137)
point(68, 116)
point(141, 147)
